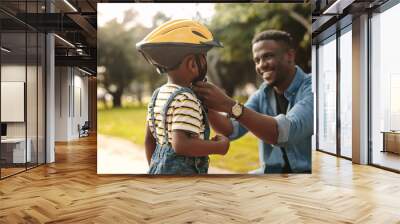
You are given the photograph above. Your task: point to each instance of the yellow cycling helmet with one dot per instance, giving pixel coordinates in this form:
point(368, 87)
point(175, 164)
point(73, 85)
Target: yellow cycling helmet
point(168, 44)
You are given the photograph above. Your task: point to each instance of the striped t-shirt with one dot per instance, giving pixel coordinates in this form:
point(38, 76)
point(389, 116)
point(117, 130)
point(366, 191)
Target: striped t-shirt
point(184, 113)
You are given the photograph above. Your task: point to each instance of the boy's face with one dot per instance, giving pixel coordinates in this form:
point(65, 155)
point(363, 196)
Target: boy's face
point(191, 71)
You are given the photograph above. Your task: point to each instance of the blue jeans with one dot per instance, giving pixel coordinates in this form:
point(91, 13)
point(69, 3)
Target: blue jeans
point(166, 161)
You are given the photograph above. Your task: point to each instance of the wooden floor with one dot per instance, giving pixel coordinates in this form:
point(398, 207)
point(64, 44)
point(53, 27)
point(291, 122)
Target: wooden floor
point(70, 191)
point(10, 171)
point(386, 159)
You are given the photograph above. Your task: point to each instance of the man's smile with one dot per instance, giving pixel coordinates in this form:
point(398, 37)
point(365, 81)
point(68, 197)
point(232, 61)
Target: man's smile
point(267, 75)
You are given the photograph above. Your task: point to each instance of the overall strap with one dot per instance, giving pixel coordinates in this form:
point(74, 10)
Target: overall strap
point(165, 111)
point(205, 118)
point(152, 117)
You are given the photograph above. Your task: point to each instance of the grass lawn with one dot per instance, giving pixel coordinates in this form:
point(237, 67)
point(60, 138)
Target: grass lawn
point(129, 123)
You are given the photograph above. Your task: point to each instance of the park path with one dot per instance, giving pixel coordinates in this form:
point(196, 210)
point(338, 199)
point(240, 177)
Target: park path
point(119, 156)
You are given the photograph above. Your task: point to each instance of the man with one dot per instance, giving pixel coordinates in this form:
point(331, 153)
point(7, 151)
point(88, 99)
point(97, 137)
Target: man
point(279, 113)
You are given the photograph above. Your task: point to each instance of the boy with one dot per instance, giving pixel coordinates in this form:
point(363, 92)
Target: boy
point(177, 131)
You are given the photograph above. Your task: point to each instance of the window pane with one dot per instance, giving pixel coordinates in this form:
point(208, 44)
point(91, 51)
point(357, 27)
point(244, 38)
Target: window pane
point(327, 96)
point(385, 83)
point(14, 150)
point(345, 94)
point(41, 98)
point(31, 97)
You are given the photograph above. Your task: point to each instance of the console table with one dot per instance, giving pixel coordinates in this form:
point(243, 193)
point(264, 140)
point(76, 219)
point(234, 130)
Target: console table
point(13, 150)
point(391, 141)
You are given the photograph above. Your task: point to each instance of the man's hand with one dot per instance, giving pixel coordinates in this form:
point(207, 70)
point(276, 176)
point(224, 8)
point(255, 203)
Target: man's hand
point(213, 97)
point(263, 126)
point(223, 141)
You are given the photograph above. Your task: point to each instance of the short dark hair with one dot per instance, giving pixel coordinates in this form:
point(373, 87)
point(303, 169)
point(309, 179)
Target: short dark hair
point(276, 35)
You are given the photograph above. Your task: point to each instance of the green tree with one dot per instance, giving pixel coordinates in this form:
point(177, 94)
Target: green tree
point(236, 24)
point(152, 78)
point(115, 54)
point(123, 64)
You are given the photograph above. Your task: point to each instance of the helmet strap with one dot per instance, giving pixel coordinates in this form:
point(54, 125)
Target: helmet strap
point(202, 69)
point(160, 69)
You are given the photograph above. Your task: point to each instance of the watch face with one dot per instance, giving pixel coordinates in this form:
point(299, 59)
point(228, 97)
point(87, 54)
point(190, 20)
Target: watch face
point(237, 110)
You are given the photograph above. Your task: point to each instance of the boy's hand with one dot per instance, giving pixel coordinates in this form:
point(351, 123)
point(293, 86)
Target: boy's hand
point(223, 141)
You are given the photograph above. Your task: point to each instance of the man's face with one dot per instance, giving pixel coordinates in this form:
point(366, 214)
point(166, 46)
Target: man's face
point(273, 61)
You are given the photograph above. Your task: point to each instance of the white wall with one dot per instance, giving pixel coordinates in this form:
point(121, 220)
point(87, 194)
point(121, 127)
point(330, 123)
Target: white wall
point(32, 105)
point(71, 102)
point(12, 73)
point(12, 100)
point(314, 89)
point(85, 99)
point(61, 103)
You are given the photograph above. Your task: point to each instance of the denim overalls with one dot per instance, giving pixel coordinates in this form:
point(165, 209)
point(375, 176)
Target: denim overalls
point(164, 159)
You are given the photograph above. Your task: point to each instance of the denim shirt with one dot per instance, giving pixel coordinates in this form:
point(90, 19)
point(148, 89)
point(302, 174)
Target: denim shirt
point(294, 129)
